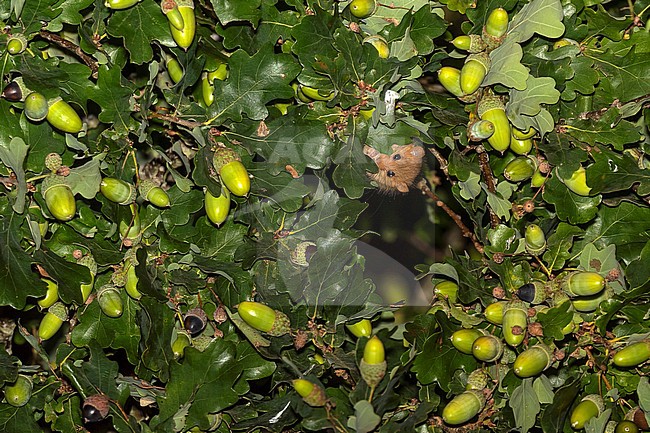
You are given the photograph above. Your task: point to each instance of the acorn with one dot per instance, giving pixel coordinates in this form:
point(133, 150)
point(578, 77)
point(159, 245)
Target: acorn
point(53, 162)
point(577, 183)
point(520, 147)
point(583, 283)
point(12, 92)
point(473, 72)
point(534, 293)
point(480, 130)
point(301, 255)
point(174, 16)
point(36, 107)
point(312, 394)
point(470, 43)
point(52, 321)
point(518, 134)
point(131, 285)
point(231, 171)
point(538, 179)
point(179, 344)
point(264, 318)
point(487, 348)
point(95, 408)
point(589, 407)
point(63, 117)
point(207, 87)
point(494, 312)
point(16, 44)
point(120, 4)
point(18, 393)
point(52, 294)
point(362, 8)
point(446, 290)
point(117, 190)
point(373, 363)
point(637, 415)
point(129, 223)
point(519, 169)
point(185, 35)
point(89, 261)
point(633, 354)
point(58, 197)
point(362, 328)
point(174, 69)
point(153, 193)
point(496, 24)
point(217, 208)
point(533, 361)
point(588, 304)
point(491, 108)
point(477, 379)
point(626, 426)
point(535, 240)
point(464, 339)
point(463, 407)
point(515, 321)
point(110, 300)
point(450, 79)
point(194, 321)
point(315, 94)
point(380, 45)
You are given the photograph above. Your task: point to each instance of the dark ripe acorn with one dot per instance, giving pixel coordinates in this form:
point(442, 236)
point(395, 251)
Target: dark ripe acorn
point(52, 321)
point(302, 253)
point(494, 312)
point(153, 193)
point(578, 182)
point(533, 361)
point(195, 321)
point(232, 172)
point(311, 393)
point(58, 197)
point(626, 426)
point(217, 208)
point(519, 169)
point(497, 23)
point(463, 339)
point(480, 130)
point(477, 379)
point(534, 293)
point(473, 72)
point(117, 190)
point(362, 328)
point(491, 108)
point(36, 107)
point(120, 4)
point(583, 283)
point(179, 344)
point(63, 117)
point(637, 415)
point(18, 393)
point(446, 290)
point(589, 407)
point(463, 407)
point(450, 79)
point(515, 322)
point(487, 348)
point(185, 36)
point(632, 355)
point(110, 301)
point(373, 363)
point(12, 92)
point(470, 43)
point(363, 8)
point(95, 408)
point(264, 318)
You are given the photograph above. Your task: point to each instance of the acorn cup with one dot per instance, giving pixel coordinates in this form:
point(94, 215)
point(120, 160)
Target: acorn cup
point(18, 393)
point(264, 318)
point(533, 361)
point(480, 130)
point(95, 408)
point(632, 355)
point(487, 348)
point(470, 43)
point(477, 379)
point(36, 107)
point(450, 79)
point(519, 169)
point(153, 193)
point(232, 172)
point(362, 328)
point(195, 321)
point(577, 183)
point(16, 44)
point(312, 394)
point(174, 16)
point(494, 312)
point(52, 294)
point(463, 339)
point(362, 8)
point(301, 255)
point(52, 321)
point(463, 407)
point(120, 4)
point(535, 240)
point(117, 190)
point(58, 197)
point(491, 108)
point(446, 290)
point(515, 322)
point(110, 301)
point(185, 35)
point(373, 363)
point(179, 344)
point(473, 72)
point(589, 407)
point(583, 283)
point(63, 117)
point(217, 208)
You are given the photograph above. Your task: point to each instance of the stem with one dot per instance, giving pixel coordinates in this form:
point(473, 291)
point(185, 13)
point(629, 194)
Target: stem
point(39, 177)
point(372, 393)
point(64, 43)
point(173, 119)
point(484, 160)
point(444, 164)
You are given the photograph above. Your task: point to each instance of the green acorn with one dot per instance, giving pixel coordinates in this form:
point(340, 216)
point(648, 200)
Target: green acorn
point(519, 169)
point(520, 147)
point(129, 223)
point(52, 321)
point(362, 8)
point(36, 107)
point(578, 182)
point(632, 355)
point(515, 321)
point(477, 379)
point(446, 290)
point(302, 253)
point(89, 261)
point(18, 393)
point(470, 43)
point(463, 407)
point(480, 130)
point(153, 193)
point(380, 44)
point(16, 44)
point(174, 69)
point(533, 361)
point(315, 94)
point(589, 407)
point(63, 117)
point(588, 304)
point(494, 312)
point(373, 363)
point(110, 301)
point(58, 197)
point(626, 426)
point(131, 285)
point(120, 4)
point(217, 208)
point(232, 172)
point(535, 240)
point(52, 294)
point(174, 16)
point(207, 87)
point(179, 344)
point(185, 35)
point(518, 134)
point(362, 328)
point(487, 348)
point(264, 318)
point(538, 179)
point(463, 339)
point(491, 108)
point(117, 190)
point(450, 79)
point(583, 283)
point(473, 72)
point(311, 393)
point(496, 24)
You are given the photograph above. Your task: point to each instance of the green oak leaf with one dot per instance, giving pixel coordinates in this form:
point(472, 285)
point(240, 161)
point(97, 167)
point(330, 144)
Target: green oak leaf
point(570, 206)
point(628, 75)
point(426, 26)
point(351, 166)
point(113, 93)
point(70, 276)
point(543, 17)
point(85, 179)
point(229, 11)
point(528, 102)
point(70, 14)
point(638, 272)
point(584, 78)
point(608, 130)
point(525, 405)
point(13, 156)
point(616, 172)
point(506, 67)
point(35, 13)
point(392, 13)
point(558, 245)
point(600, 22)
point(459, 5)
point(555, 319)
point(18, 419)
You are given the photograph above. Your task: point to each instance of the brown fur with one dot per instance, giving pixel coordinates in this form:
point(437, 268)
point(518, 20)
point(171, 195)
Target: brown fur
point(397, 171)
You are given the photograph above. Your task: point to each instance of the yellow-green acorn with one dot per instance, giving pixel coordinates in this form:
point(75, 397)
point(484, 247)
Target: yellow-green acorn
point(497, 23)
point(626, 426)
point(450, 79)
point(491, 108)
point(538, 179)
point(312, 394)
point(117, 190)
point(477, 379)
point(362, 328)
point(519, 169)
point(264, 318)
point(463, 339)
point(36, 107)
point(185, 35)
point(521, 147)
point(583, 283)
point(89, 261)
point(174, 16)
point(58, 197)
point(518, 134)
point(153, 193)
point(207, 87)
point(174, 69)
point(577, 183)
point(494, 312)
point(131, 285)
point(232, 172)
point(632, 355)
point(315, 94)
point(535, 240)
point(463, 407)
point(470, 43)
point(588, 304)
point(120, 4)
point(515, 321)
point(18, 393)
point(534, 292)
point(16, 44)
point(373, 363)
point(487, 348)
point(589, 407)
point(63, 117)
point(380, 45)
point(473, 72)
point(52, 321)
point(446, 290)
point(179, 344)
point(129, 223)
point(301, 255)
point(52, 294)
point(480, 130)
point(533, 361)
point(110, 301)
point(564, 42)
point(217, 208)
point(363, 8)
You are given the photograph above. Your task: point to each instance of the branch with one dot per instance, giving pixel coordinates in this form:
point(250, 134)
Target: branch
point(489, 181)
point(64, 43)
point(173, 119)
point(444, 164)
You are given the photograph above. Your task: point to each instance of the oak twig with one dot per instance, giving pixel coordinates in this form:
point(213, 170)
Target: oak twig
point(70, 46)
point(444, 164)
point(173, 119)
point(489, 181)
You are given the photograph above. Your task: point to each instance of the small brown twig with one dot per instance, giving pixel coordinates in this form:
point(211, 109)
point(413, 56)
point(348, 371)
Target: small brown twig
point(444, 164)
point(465, 231)
point(173, 119)
point(484, 160)
point(64, 43)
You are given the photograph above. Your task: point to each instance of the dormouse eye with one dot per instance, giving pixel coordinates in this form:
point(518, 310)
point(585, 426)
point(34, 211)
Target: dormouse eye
point(397, 157)
point(390, 173)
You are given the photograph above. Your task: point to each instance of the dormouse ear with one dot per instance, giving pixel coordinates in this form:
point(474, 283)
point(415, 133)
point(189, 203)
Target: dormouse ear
point(417, 151)
point(395, 147)
point(402, 187)
point(371, 152)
